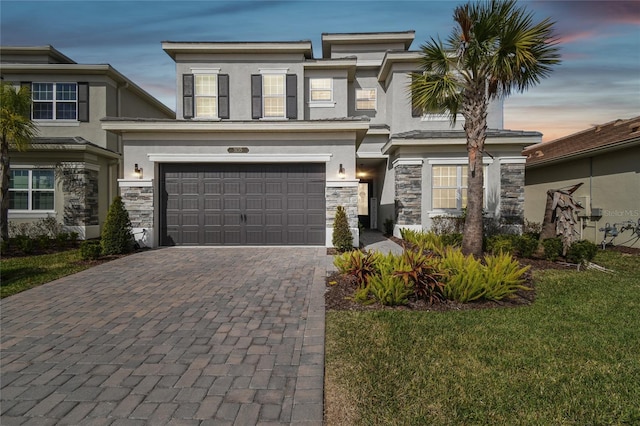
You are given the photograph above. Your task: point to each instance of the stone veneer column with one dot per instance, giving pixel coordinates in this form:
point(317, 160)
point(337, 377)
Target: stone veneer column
point(137, 196)
point(512, 190)
point(343, 193)
point(408, 187)
point(80, 188)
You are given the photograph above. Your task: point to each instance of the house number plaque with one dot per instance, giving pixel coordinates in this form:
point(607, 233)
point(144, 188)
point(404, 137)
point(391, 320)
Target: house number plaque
point(237, 150)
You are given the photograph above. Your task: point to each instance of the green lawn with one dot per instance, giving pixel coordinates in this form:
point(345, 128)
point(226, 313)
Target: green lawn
point(573, 357)
point(22, 273)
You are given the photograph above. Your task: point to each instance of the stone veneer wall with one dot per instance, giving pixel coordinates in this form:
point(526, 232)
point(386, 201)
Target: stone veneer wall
point(408, 194)
point(347, 197)
point(80, 189)
point(512, 192)
point(138, 201)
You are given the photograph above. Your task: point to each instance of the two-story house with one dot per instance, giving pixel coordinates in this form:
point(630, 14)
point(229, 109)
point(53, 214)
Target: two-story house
point(70, 171)
point(268, 140)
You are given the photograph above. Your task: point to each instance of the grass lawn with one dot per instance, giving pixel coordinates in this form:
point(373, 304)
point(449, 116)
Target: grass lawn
point(22, 273)
point(572, 357)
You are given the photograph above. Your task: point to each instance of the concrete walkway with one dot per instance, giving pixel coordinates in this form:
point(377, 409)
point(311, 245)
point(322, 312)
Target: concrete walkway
point(375, 240)
point(172, 336)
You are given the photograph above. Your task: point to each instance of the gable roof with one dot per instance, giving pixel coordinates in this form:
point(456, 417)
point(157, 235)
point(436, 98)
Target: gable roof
point(602, 137)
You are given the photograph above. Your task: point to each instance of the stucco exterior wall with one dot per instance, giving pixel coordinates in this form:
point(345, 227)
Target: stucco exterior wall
point(610, 182)
point(240, 68)
point(340, 95)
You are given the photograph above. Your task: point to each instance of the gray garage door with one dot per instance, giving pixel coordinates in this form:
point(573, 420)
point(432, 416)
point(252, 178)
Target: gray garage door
point(242, 204)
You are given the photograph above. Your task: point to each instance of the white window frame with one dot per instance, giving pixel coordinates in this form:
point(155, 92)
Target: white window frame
point(30, 190)
point(275, 71)
point(54, 101)
point(367, 99)
point(459, 167)
point(325, 102)
point(205, 72)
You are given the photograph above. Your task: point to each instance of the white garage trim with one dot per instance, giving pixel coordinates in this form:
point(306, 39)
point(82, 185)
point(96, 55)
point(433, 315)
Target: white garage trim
point(239, 158)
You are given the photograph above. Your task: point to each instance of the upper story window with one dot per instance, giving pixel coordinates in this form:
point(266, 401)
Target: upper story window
point(320, 90)
point(274, 95)
point(60, 101)
point(273, 92)
point(31, 189)
point(366, 99)
point(205, 95)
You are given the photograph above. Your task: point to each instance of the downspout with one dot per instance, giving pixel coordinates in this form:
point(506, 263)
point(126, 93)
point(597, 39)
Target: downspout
point(595, 226)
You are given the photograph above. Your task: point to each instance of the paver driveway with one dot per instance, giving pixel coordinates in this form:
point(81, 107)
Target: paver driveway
point(170, 336)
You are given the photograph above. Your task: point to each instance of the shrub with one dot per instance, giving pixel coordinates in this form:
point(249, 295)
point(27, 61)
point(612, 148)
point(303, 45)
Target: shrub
point(470, 280)
point(502, 243)
point(73, 236)
point(582, 252)
point(389, 289)
point(388, 226)
point(428, 241)
point(465, 279)
point(421, 271)
point(552, 248)
point(532, 228)
point(24, 243)
point(342, 239)
point(116, 233)
point(503, 276)
point(90, 250)
point(453, 239)
point(526, 244)
point(358, 264)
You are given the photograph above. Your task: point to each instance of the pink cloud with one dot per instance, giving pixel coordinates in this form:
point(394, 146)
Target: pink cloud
point(577, 36)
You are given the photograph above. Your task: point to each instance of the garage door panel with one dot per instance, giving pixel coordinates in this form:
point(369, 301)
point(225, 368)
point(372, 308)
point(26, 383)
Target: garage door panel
point(296, 203)
point(294, 219)
point(236, 204)
point(213, 236)
point(273, 187)
point(316, 219)
point(232, 219)
point(212, 188)
point(272, 219)
point(231, 203)
point(212, 219)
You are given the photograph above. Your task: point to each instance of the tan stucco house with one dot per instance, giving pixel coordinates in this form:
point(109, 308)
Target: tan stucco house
point(71, 170)
point(606, 160)
point(269, 139)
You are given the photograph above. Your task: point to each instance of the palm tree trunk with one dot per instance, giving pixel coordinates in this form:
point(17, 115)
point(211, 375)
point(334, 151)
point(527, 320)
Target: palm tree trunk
point(475, 126)
point(4, 193)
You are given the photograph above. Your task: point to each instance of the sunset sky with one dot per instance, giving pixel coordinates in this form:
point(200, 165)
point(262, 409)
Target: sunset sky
point(598, 80)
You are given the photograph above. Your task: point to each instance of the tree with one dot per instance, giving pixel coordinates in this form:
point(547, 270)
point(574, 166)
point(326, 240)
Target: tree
point(342, 238)
point(494, 49)
point(17, 130)
point(117, 237)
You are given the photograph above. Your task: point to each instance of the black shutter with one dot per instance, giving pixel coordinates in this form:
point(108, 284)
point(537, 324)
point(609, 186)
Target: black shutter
point(256, 96)
point(187, 95)
point(223, 95)
point(83, 102)
point(292, 96)
point(415, 111)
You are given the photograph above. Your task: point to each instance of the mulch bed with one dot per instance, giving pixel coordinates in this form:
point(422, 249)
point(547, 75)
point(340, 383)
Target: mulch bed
point(340, 289)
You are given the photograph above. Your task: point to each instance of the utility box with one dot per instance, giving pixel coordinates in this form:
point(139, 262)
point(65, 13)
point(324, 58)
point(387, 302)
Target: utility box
point(584, 203)
point(596, 213)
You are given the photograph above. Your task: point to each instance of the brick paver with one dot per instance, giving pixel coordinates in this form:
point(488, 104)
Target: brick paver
point(170, 336)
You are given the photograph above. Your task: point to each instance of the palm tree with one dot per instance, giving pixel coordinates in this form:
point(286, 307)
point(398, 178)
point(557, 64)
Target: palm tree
point(494, 48)
point(17, 130)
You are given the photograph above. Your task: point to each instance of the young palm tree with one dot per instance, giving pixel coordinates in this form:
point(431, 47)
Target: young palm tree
point(494, 48)
point(17, 129)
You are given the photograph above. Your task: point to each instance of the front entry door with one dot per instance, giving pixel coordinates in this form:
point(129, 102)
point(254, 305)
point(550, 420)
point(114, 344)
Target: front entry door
point(364, 210)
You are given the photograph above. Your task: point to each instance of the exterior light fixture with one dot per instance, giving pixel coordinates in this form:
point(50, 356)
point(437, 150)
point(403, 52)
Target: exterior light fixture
point(341, 172)
point(137, 171)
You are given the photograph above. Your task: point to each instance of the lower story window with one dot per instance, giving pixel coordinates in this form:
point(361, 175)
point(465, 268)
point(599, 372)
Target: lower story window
point(31, 189)
point(449, 187)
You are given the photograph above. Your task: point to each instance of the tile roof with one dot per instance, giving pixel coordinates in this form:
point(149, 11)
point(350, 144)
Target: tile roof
point(599, 137)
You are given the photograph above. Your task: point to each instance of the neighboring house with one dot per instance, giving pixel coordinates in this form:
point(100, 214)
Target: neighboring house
point(71, 170)
point(268, 140)
point(606, 160)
